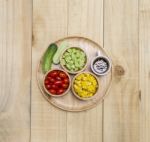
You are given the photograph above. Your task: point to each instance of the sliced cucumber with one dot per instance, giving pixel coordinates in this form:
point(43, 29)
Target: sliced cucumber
point(75, 59)
point(64, 45)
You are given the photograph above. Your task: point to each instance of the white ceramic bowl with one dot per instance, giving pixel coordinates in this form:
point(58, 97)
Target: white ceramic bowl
point(104, 58)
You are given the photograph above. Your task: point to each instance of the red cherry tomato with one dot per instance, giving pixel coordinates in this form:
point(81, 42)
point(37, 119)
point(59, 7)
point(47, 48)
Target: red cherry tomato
point(48, 86)
point(53, 74)
point(58, 83)
point(66, 80)
point(54, 86)
point(58, 78)
point(51, 79)
point(52, 91)
point(46, 81)
point(60, 91)
point(65, 86)
point(62, 75)
point(49, 74)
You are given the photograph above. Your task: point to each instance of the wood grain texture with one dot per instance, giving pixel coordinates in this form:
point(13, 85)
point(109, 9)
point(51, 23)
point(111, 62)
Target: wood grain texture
point(49, 24)
point(85, 18)
point(121, 108)
point(144, 48)
point(125, 114)
point(15, 66)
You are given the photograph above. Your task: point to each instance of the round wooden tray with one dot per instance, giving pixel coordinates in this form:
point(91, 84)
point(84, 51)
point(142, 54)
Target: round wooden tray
point(69, 102)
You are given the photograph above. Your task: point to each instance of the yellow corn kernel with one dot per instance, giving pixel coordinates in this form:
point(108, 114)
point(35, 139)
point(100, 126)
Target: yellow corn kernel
point(85, 85)
point(90, 94)
point(87, 75)
point(79, 77)
point(84, 78)
point(77, 81)
point(76, 87)
point(82, 75)
point(84, 93)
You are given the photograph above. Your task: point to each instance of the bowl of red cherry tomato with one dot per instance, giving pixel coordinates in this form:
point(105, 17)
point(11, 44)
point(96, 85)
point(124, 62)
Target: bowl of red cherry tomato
point(56, 82)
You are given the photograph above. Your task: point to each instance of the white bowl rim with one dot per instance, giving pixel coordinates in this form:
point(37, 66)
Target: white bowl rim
point(101, 74)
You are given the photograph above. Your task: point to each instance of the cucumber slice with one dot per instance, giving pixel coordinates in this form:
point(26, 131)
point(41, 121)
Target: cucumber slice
point(63, 62)
point(74, 59)
point(71, 70)
point(76, 64)
point(68, 58)
point(82, 60)
point(76, 69)
point(68, 66)
point(78, 55)
point(80, 68)
point(73, 56)
point(71, 62)
point(73, 66)
point(69, 50)
point(74, 50)
point(82, 54)
point(56, 59)
point(66, 54)
point(82, 64)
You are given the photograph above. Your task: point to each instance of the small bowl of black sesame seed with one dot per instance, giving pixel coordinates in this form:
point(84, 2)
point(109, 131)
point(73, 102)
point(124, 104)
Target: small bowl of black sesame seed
point(101, 65)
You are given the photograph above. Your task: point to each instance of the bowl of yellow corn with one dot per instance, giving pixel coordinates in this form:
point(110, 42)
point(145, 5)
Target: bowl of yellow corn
point(85, 85)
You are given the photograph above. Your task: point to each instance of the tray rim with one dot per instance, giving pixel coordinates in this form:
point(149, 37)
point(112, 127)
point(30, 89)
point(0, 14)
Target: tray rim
point(88, 107)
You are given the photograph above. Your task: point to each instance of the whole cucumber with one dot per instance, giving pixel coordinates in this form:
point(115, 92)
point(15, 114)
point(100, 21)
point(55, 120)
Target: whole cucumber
point(48, 57)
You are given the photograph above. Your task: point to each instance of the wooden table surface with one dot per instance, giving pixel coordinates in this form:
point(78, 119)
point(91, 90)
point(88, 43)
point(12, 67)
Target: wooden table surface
point(122, 27)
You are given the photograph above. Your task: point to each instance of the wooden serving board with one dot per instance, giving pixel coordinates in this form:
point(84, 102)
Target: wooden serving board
point(69, 102)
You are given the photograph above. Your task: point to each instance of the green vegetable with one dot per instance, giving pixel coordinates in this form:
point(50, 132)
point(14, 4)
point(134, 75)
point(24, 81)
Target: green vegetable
point(62, 47)
point(69, 50)
point(48, 57)
point(74, 59)
point(63, 62)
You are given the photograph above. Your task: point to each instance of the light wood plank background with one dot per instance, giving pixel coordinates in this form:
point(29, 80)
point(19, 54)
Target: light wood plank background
point(15, 70)
point(121, 27)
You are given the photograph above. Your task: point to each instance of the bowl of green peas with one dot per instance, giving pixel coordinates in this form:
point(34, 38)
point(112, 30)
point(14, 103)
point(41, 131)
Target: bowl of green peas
point(73, 60)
